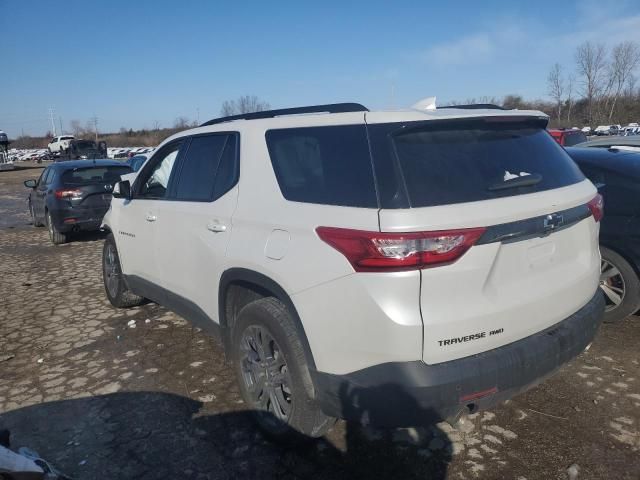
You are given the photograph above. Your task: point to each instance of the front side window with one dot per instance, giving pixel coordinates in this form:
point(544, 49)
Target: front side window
point(204, 161)
point(155, 181)
point(326, 165)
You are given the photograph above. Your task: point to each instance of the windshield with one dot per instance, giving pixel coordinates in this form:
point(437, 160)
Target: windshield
point(90, 175)
point(85, 145)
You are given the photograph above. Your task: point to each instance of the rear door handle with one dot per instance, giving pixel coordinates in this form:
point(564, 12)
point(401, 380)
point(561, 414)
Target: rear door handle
point(216, 227)
point(151, 218)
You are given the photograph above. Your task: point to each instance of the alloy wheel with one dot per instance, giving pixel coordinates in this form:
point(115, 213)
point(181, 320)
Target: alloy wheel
point(111, 272)
point(612, 284)
point(265, 373)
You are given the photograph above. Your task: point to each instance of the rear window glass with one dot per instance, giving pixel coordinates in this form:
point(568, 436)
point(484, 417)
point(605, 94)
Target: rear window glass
point(574, 138)
point(454, 162)
point(326, 165)
point(85, 176)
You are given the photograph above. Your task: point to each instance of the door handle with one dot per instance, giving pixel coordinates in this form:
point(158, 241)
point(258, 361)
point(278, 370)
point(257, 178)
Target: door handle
point(151, 218)
point(216, 227)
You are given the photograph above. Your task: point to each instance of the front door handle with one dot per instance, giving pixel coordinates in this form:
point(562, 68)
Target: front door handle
point(151, 218)
point(216, 227)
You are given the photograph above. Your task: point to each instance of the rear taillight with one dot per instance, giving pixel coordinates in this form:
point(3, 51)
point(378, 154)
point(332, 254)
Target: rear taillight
point(383, 252)
point(68, 193)
point(596, 205)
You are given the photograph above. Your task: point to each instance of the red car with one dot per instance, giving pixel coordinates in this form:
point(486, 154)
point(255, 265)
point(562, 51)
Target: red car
point(567, 138)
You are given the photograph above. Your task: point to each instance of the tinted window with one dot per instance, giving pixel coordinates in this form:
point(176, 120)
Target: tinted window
point(198, 173)
point(574, 138)
point(87, 176)
point(155, 180)
point(47, 176)
point(227, 174)
point(453, 162)
point(327, 165)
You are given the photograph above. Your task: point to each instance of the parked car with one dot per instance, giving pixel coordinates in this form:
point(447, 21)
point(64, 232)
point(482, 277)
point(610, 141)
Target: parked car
point(73, 196)
point(630, 143)
point(568, 137)
point(85, 150)
point(398, 267)
point(586, 130)
point(616, 173)
point(59, 144)
point(136, 161)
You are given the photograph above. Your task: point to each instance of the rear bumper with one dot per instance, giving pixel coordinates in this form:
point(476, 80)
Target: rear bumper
point(414, 393)
point(76, 219)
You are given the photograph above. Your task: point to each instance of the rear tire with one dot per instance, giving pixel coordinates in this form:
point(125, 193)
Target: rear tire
point(115, 287)
point(55, 236)
point(269, 363)
point(620, 285)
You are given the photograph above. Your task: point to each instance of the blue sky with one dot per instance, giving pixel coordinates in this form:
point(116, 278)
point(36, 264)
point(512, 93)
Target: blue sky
point(134, 63)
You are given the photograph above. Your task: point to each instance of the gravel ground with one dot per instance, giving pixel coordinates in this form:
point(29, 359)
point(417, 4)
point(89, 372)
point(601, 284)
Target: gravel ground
point(100, 399)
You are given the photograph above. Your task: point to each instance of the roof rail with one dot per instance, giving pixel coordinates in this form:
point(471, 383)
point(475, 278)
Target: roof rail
point(476, 106)
point(329, 108)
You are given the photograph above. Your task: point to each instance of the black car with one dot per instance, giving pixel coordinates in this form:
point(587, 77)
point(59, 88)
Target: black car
point(84, 149)
point(616, 173)
point(73, 196)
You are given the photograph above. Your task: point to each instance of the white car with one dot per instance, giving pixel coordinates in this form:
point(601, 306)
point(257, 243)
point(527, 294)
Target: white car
point(59, 144)
point(586, 130)
point(393, 268)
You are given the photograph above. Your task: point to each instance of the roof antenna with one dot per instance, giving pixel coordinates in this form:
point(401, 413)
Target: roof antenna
point(428, 103)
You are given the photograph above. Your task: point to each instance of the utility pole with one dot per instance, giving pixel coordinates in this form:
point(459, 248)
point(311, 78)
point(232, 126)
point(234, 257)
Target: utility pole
point(95, 124)
point(60, 120)
point(198, 115)
point(53, 123)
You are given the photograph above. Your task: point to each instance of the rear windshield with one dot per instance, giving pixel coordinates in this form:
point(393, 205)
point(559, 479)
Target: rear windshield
point(85, 145)
point(574, 138)
point(453, 162)
point(86, 176)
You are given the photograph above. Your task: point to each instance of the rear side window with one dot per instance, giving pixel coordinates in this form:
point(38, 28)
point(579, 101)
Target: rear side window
point(86, 176)
point(451, 162)
point(326, 165)
point(197, 180)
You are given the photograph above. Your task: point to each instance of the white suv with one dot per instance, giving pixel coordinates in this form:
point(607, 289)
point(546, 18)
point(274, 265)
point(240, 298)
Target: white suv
point(394, 268)
point(60, 144)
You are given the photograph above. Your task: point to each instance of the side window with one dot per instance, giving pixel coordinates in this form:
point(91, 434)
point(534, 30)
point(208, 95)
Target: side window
point(228, 170)
point(155, 181)
point(326, 165)
point(197, 181)
point(47, 177)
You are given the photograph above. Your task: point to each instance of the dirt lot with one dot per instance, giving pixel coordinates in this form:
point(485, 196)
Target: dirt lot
point(102, 400)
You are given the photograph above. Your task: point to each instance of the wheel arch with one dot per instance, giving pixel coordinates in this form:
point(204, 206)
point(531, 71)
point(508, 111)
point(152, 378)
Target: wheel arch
point(627, 255)
point(236, 281)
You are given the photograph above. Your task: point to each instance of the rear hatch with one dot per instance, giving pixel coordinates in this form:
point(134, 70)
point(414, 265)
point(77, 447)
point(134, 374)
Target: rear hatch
point(530, 258)
point(88, 189)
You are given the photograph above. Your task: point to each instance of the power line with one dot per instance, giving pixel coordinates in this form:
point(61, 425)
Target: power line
point(53, 123)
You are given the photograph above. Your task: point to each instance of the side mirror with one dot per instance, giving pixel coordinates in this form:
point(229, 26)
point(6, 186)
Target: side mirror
point(30, 183)
point(122, 189)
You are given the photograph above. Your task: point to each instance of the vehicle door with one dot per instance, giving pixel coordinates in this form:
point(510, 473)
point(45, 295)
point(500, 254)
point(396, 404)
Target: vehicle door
point(136, 226)
point(195, 227)
point(39, 194)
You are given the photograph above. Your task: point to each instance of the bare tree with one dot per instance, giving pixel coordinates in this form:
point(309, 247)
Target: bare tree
point(181, 122)
point(571, 80)
point(76, 128)
point(555, 87)
point(591, 65)
point(625, 58)
point(156, 125)
point(244, 104)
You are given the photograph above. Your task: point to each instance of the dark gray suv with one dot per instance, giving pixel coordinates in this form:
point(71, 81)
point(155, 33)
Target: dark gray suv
point(73, 196)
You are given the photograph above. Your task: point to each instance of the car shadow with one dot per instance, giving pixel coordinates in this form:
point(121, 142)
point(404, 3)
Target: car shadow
point(154, 435)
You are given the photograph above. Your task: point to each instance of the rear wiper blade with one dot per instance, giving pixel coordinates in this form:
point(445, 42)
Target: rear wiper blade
point(524, 181)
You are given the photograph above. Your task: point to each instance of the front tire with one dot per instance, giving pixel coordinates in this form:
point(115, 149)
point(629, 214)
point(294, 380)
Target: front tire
point(115, 287)
point(34, 219)
point(270, 365)
point(620, 284)
point(56, 237)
